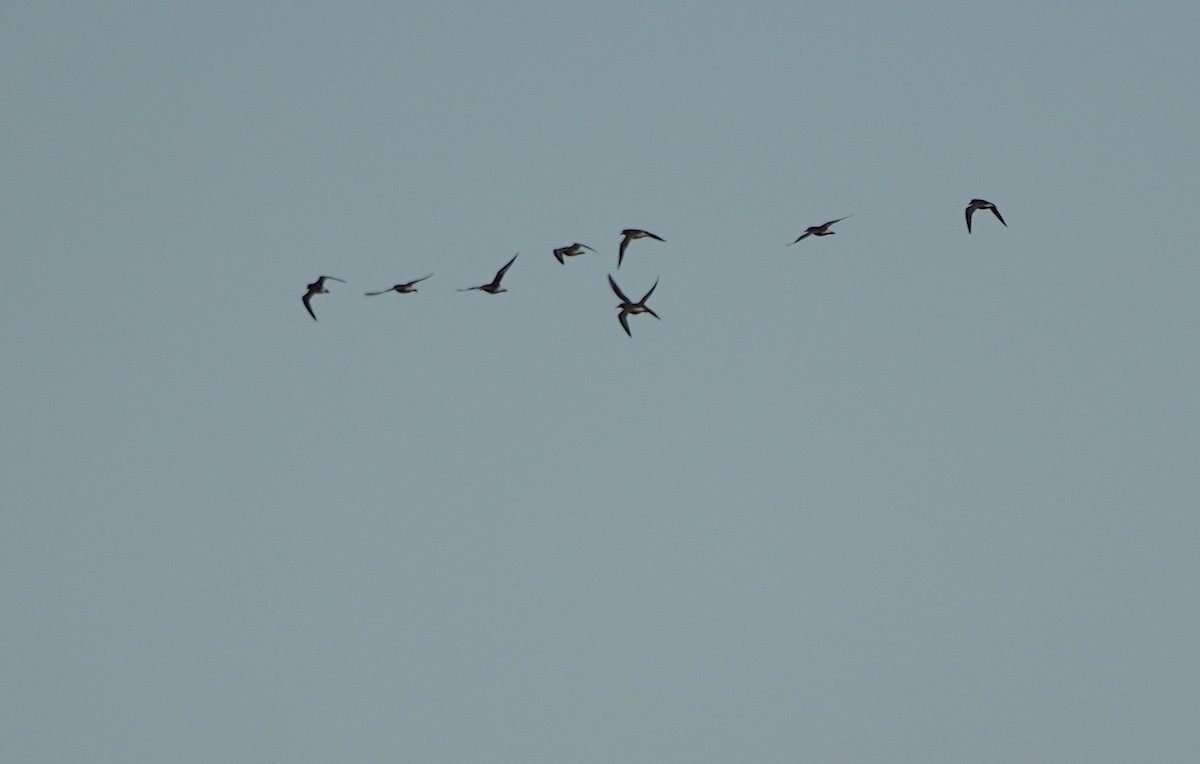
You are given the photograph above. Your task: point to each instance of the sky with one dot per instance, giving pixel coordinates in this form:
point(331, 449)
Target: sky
point(899, 494)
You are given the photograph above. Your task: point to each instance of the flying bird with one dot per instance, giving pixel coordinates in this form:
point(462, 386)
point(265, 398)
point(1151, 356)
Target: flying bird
point(982, 204)
point(629, 308)
point(819, 230)
point(630, 234)
point(571, 251)
point(317, 287)
point(401, 288)
point(494, 287)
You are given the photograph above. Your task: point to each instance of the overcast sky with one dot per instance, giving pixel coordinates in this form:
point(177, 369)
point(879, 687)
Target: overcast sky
point(899, 494)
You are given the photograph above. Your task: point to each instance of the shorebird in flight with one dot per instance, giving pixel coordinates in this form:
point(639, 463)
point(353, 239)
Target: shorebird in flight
point(630, 308)
point(400, 288)
point(571, 251)
point(819, 230)
point(317, 287)
point(982, 204)
point(630, 234)
point(494, 287)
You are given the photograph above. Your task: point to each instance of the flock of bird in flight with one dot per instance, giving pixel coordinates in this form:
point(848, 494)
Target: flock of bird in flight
point(627, 307)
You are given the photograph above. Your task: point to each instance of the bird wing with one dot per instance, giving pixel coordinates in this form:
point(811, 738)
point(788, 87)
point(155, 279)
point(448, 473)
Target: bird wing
point(970, 212)
point(307, 306)
point(997, 213)
point(500, 273)
point(647, 295)
point(414, 281)
point(625, 322)
point(617, 290)
point(621, 251)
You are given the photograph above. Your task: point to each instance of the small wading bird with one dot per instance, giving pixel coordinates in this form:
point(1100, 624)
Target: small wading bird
point(630, 308)
point(571, 251)
point(400, 288)
point(630, 234)
point(982, 204)
point(317, 287)
point(819, 230)
point(494, 287)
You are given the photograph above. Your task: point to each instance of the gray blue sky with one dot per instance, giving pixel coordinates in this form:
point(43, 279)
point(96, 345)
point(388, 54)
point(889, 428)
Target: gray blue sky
point(900, 494)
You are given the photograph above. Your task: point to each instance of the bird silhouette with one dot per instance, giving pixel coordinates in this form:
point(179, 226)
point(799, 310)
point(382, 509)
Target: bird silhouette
point(571, 251)
point(630, 234)
point(317, 287)
point(818, 230)
point(982, 204)
point(630, 308)
point(494, 287)
point(400, 288)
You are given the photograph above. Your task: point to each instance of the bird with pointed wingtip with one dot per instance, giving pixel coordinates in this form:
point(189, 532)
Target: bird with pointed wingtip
point(317, 287)
point(494, 287)
point(400, 288)
point(818, 230)
point(630, 308)
point(571, 251)
point(630, 234)
point(982, 204)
